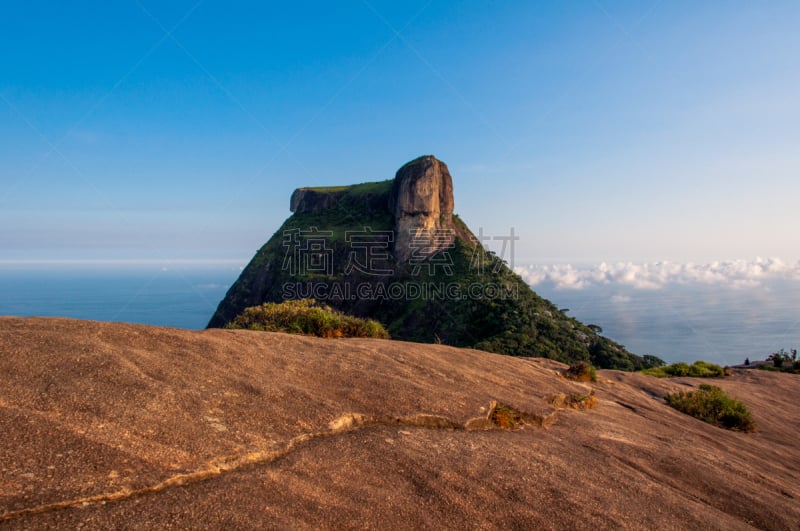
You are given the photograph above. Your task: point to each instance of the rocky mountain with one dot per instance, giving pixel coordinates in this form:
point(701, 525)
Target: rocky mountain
point(394, 251)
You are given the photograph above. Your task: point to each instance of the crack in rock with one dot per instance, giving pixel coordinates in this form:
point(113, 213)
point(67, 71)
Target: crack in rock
point(498, 417)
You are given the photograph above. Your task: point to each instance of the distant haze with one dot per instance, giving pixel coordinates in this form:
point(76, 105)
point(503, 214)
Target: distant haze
point(721, 311)
point(654, 276)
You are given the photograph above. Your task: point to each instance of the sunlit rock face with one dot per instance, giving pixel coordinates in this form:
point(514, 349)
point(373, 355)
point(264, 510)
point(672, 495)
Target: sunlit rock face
point(422, 204)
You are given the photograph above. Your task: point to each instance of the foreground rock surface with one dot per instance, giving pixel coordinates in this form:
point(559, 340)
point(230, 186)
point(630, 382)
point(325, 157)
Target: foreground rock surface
point(116, 425)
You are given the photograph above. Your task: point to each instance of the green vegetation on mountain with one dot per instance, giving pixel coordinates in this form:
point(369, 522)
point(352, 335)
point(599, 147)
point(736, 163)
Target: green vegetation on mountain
point(306, 317)
point(711, 404)
point(699, 369)
point(793, 368)
point(782, 361)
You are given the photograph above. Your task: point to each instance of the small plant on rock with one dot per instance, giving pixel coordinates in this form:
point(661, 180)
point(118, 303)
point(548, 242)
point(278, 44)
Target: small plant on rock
point(581, 371)
point(572, 401)
point(504, 417)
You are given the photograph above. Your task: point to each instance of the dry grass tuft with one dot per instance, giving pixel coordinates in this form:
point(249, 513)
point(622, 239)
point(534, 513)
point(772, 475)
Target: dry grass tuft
point(581, 371)
point(572, 401)
point(504, 417)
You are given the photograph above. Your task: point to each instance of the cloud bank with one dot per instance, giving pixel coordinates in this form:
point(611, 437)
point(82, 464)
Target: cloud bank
point(734, 273)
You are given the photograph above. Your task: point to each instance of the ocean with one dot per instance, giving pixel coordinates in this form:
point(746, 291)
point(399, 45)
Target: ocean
point(715, 323)
point(677, 322)
point(181, 297)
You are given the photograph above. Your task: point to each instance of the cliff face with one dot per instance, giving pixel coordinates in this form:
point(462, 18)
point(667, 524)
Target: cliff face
point(422, 204)
point(310, 200)
point(395, 252)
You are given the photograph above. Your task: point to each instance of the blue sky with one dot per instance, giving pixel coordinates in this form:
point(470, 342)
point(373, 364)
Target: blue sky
point(600, 130)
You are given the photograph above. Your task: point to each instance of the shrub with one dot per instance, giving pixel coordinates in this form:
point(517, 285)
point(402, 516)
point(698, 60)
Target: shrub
point(699, 369)
point(307, 318)
point(677, 369)
point(711, 404)
point(581, 371)
point(778, 358)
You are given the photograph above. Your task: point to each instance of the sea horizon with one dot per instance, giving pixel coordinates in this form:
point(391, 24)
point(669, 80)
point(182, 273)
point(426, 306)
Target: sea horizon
point(682, 319)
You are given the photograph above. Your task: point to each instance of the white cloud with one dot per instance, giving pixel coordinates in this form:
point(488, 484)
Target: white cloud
point(735, 273)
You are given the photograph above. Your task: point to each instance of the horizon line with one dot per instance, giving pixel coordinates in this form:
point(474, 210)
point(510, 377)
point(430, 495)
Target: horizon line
point(125, 261)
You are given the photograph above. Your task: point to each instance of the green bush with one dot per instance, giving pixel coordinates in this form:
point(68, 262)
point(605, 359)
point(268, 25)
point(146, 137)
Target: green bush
point(699, 369)
point(307, 318)
point(711, 404)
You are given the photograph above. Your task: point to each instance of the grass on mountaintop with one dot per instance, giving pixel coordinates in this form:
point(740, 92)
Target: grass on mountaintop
point(377, 187)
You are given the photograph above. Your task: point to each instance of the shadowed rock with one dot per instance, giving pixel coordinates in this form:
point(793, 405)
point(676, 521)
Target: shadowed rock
point(310, 200)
